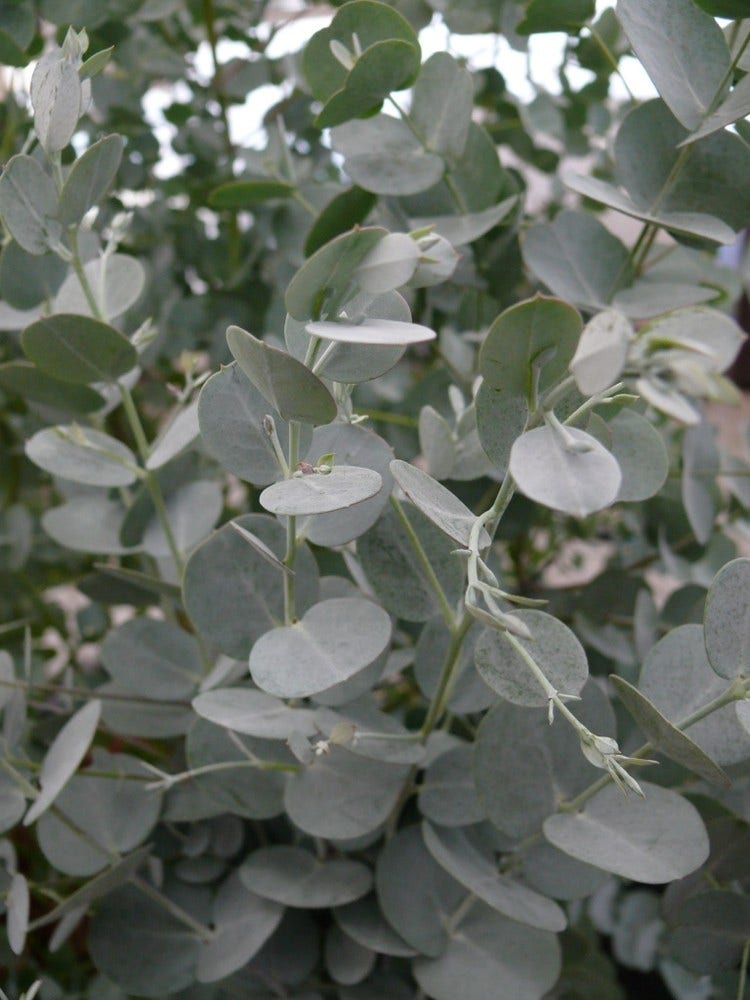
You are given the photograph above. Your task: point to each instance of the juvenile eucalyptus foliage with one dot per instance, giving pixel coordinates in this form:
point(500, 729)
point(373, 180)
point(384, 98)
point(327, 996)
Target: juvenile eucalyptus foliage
point(297, 698)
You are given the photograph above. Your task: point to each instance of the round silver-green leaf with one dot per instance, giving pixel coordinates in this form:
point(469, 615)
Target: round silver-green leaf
point(309, 493)
point(334, 640)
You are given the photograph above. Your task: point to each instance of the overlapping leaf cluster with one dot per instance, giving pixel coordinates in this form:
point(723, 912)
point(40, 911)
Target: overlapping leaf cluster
point(297, 699)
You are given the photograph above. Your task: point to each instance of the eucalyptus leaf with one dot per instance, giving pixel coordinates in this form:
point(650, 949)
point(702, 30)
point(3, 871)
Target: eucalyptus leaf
point(488, 953)
point(325, 799)
point(725, 622)
point(307, 493)
point(641, 454)
point(577, 258)
point(118, 816)
point(178, 435)
point(656, 839)
point(83, 455)
point(324, 282)
point(352, 446)
point(364, 923)
point(684, 223)
point(553, 647)
point(230, 415)
point(677, 677)
point(530, 343)
point(441, 105)
point(128, 923)
point(397, 576)
point(601, 352)
point(295, 877)
point(153, 658)
point(417, 896)
point(233, 595)
point(65, 753)
point(375, 332)
point(88, 523)
point(253, 712)
point(383, 156)
point(17, 906)
point(436, 502)
point(299, 660)
point(247, 193)
point(447, 794)
point(665, 737)
point(90, 178)
point(78, 349)
point(575, 474)
point(21, 378)
point(390, 264)
point(28, 204)
point(683, 51)
point(243, 922)
point(473, 868)
point(116, 280)
point(56, 97)
point(285, 383)
point(462, 229)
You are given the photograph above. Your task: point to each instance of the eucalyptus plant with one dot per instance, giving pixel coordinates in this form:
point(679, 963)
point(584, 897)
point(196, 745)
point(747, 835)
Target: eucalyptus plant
point(298, 698)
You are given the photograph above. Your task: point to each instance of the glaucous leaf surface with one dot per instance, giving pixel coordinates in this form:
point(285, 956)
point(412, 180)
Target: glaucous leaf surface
point(437, 503)
point(325, 798)
point(179, 434)
point(656, 839)
point(21, 378)
point(665, 737)
point(90, 178)
point(116, 280)
point(463, 858)
point(726, 621)
point(601, 352)
point(299, 660)
point(129, 923)
point(710, 180)
point(469, 693)
point(242, 923)
point(557, 875)
point(247, 790)
point(684, 223)
point(254, 713)
point(390, 264)
point(233, 595)
point(683, 51)
point(578, 479)
point(447, 794)
point(154, 658)
point(113, 813)
point(394, 571)
point(82, 455)
point(61, 760)
point(90, 522)
point(295, 877)
point(307, 493)
point(554, 649)
point(417, 896)
point(364, 923)
point(678, 678)
point(382, 155)
point(487, 952)
point(230, 415)
point(373, 332)
point(28, 202)
point(78, 349)
point(710, 931)
point(530, 343)
point(577, 258)
point(523, 767)
point(351, 445)
point(284, 382)
point(641, 455)
point(324, 282)
point(347, 961)
point(17, 906)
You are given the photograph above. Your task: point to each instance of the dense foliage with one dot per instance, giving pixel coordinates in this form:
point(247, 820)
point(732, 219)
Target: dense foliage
point(301, 430)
